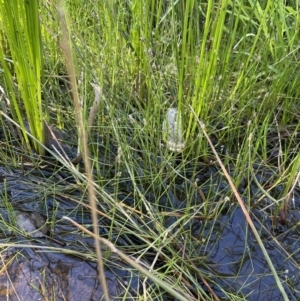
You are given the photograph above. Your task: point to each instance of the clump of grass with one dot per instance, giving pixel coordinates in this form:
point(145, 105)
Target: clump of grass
point(21, 28)
point(232, 62)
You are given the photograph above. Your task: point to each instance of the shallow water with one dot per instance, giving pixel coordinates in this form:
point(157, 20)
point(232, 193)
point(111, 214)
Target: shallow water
point(226, 251)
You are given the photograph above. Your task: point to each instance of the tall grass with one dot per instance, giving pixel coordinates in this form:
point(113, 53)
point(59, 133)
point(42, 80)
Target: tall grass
point(233, 62)
point(20, 27)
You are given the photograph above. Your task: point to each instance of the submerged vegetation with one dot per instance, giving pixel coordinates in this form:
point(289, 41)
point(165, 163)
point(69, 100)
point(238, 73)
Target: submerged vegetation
point(218, 78)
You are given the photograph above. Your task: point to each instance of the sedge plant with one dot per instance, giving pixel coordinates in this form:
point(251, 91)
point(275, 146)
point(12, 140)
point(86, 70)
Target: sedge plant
point(230, 67)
